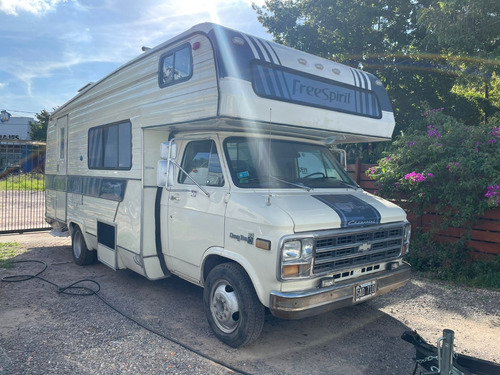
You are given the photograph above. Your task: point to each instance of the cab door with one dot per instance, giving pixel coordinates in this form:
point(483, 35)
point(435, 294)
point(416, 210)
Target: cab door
point(196, 207)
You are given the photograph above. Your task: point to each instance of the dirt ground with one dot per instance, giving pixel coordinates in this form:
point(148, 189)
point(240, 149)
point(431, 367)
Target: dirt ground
point(44, 332)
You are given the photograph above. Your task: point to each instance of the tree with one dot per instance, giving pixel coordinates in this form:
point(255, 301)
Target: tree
point(348, 31)
point(470, 30)
point(464, 27)
point(38, 128)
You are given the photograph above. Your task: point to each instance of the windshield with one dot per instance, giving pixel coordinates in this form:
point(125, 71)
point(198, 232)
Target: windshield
point(261, 163)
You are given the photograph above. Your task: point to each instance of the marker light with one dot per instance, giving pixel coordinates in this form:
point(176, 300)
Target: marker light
point(238, 41)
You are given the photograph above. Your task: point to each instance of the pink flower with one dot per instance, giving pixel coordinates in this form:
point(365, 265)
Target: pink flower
point(493, 194)
point(432, 132)
point(414, 177)
point(496, 132)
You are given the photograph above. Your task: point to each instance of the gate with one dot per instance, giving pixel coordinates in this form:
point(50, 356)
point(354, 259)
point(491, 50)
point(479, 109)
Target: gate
point(22, 187)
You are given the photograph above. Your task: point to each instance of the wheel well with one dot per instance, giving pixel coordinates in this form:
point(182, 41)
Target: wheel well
point(214, 260)
point(72, 227)
point(211, 262)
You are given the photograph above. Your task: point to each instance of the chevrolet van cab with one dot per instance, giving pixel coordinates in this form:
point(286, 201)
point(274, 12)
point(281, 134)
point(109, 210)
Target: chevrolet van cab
point(210, 157)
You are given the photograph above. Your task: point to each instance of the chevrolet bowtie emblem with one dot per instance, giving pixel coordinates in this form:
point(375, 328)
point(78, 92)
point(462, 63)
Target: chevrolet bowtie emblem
point(365, 247)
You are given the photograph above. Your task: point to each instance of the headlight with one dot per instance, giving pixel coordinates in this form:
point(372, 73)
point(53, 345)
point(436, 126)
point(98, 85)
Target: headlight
point(307, 248)
point(291, 250)
point(406, 239)
point(296, 258)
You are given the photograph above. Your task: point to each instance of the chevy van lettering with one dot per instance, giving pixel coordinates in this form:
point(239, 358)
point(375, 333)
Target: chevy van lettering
point(361, 222)
point(239, 237)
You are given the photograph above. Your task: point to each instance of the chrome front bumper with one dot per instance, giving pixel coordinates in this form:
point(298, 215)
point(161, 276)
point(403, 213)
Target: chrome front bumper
point(297, 305)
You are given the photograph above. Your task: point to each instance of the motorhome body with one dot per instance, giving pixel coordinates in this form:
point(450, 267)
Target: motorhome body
point(206, 158)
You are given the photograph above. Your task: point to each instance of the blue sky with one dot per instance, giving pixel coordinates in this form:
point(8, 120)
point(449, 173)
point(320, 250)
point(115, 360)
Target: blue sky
point(52, 48)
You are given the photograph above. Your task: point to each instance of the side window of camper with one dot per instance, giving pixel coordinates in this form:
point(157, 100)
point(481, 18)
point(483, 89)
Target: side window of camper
point(110, 146)
point(61, 143)
point(176, 66)
point(202, 164)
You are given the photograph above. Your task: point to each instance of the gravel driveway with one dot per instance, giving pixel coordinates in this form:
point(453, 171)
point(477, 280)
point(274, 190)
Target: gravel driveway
point(44, 332)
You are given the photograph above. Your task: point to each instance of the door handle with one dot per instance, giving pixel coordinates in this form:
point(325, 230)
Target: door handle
point(175, 198)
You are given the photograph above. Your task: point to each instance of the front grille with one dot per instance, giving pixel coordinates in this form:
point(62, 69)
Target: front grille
point(357, 248)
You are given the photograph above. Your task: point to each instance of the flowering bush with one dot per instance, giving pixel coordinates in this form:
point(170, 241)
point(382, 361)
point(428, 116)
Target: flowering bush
point(445, 163)
point(493, 195)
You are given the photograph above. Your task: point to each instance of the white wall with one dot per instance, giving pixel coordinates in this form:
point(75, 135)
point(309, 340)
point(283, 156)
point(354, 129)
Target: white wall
point(15, 128)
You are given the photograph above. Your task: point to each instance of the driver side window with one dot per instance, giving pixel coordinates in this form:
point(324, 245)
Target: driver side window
point(202, 164)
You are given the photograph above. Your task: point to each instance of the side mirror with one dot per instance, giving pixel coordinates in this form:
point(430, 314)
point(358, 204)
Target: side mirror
point(342, 154)
point(168, 150)
point(165, 168)
point(164, 173)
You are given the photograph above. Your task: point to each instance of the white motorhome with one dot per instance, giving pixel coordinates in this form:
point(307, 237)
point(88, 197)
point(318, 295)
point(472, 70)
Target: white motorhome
point(209, 157)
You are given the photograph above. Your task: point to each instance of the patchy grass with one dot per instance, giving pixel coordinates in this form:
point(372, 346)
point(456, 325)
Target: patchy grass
point(9, 250)
point(27, 181)
point(452, 262)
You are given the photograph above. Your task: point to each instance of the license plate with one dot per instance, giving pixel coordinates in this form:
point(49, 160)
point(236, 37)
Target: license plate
point(365, 290)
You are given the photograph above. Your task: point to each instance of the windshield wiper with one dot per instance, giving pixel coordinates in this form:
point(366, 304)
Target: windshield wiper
point(292, 183)
point(348, 184)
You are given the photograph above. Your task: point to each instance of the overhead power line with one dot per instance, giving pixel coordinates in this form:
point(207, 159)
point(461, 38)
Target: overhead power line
point(15, 110)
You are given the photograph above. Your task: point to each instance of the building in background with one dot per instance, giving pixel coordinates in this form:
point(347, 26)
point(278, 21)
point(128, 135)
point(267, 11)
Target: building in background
point(14, 127)
point(17, 152)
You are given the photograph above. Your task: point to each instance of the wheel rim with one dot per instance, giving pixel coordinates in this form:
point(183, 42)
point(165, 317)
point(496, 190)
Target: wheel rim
point(77, 245)
point(224, 307)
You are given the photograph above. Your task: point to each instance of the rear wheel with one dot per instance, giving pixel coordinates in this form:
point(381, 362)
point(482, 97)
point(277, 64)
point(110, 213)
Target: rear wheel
point(232, 307)
point(81, 254)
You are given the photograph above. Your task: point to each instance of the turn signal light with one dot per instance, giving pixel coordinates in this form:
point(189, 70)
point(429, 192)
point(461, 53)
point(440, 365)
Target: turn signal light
point(290, 270)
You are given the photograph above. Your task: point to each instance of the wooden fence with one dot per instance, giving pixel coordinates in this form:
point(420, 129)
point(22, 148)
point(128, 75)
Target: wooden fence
point(357, 171)
point(484, 236)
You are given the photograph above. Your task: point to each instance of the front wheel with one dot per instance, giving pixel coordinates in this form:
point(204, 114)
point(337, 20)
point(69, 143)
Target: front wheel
point(232, 307)
point(81, 253)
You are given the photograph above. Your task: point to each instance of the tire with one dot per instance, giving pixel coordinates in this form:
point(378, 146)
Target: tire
point(232, 307)
point(81, 254)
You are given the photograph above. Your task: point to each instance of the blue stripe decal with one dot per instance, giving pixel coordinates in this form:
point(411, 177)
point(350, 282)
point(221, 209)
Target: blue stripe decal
point(355, 99)
point(285, 85)
point(266, 74)
point(257, 47)
point(352, 211)
point(264, 49)
point(274, 51)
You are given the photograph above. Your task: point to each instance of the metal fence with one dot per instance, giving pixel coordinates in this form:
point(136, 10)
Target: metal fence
point(22, 187)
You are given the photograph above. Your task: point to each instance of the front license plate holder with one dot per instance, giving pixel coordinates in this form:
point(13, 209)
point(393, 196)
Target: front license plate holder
point(365, 290)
